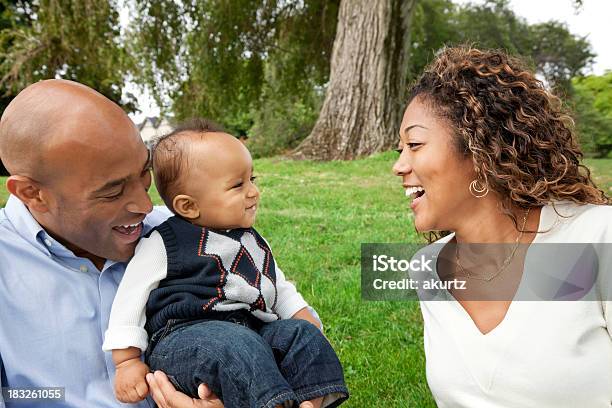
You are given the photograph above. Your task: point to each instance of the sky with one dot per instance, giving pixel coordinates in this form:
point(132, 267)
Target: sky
point(592, 20)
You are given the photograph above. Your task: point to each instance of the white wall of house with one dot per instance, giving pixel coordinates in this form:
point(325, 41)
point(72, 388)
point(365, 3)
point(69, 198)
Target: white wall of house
point(149, 132)
point(164, 128)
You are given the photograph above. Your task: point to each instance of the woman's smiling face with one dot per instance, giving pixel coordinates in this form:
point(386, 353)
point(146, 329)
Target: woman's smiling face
point(430, 160)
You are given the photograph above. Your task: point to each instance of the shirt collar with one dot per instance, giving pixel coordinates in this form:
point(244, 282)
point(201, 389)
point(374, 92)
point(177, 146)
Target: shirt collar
point(25, 224)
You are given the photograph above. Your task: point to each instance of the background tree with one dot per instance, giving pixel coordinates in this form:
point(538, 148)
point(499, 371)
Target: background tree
point(363, 102)
point(296, 73)
point(10, 18)
point(593, 105)
point(263, 68)
point(241, 62)
point(558, 55)
point(72, 39)
point(433, 25)
point(555, 53)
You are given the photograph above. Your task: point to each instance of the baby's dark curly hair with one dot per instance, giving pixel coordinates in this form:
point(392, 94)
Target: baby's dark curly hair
point(520, 137)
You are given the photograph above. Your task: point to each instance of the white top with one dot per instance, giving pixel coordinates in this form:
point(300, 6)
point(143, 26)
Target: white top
point(143, 274)
point(544, 353)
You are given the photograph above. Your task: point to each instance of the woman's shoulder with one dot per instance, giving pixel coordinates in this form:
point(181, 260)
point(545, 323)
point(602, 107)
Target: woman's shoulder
point(572, 211)
point(581, 220)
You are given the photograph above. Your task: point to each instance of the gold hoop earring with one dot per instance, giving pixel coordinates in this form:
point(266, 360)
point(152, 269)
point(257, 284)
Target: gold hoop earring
point(478, 189)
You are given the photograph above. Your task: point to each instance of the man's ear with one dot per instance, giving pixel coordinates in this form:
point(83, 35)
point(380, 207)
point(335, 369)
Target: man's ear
point(28, 191)
point(186, 206)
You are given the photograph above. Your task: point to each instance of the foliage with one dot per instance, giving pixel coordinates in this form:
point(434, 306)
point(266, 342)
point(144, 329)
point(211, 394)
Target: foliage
point(228, 59)
point(432, 27)
point(288, 107)
point(593, 106)
point(9, 18)
point(281, 124)
point(555, 53)
point(258, 67)
point(71, 39)
point(261, 68)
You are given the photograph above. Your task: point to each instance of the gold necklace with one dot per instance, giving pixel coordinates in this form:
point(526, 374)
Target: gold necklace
point(506, 261)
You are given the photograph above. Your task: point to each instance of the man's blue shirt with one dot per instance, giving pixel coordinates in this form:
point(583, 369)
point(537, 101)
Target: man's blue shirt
point(54, 310)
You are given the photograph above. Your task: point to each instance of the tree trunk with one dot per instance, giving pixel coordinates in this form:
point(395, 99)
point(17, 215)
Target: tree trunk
point(363, 105)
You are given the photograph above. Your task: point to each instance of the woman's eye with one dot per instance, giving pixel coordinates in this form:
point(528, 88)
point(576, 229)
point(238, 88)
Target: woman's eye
point(253, 178)
point(238, 185)
point(411, 146)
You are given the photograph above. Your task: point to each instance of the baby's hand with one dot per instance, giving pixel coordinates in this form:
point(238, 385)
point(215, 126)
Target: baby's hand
point(130, 382)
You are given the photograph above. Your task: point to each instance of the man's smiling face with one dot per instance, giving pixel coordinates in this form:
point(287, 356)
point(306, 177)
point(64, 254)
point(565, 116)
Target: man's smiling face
point(100, 194)
point(79, 164)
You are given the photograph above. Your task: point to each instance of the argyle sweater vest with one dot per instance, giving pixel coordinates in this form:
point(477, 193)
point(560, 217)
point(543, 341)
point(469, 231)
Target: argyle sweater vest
point(211, 272)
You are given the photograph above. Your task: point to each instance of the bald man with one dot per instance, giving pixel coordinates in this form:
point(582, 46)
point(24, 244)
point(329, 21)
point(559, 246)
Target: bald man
point(78, 206)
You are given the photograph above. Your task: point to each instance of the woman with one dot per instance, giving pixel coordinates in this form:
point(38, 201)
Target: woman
point(489, 155)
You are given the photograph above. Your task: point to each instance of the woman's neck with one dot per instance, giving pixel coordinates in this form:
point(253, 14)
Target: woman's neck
point(487, 223)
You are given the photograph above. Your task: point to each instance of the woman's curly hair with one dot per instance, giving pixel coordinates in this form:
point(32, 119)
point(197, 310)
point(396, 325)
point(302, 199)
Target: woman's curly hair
point(520, 137)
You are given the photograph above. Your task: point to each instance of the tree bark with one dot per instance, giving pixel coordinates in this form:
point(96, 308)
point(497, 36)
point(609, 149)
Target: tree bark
point(363, 105)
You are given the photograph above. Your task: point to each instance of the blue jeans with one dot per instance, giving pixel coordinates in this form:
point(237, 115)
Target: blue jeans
point(249, 365)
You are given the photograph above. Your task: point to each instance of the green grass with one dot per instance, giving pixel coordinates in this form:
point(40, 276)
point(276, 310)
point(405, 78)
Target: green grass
point(3, 193)
point(315, 216)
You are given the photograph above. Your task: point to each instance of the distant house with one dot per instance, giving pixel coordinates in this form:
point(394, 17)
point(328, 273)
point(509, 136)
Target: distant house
point(152, 128)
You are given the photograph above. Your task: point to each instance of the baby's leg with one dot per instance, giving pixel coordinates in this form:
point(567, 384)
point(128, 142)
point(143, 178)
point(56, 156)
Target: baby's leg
point(233, 360)
point(307, 361)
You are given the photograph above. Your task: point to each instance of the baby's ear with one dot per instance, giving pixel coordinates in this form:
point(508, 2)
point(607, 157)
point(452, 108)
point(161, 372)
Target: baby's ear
point(186, 206)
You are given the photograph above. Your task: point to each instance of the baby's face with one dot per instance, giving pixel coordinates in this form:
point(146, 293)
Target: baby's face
point(220, 181)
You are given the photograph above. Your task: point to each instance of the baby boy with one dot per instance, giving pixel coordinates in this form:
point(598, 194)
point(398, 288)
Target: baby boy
point(203, 297)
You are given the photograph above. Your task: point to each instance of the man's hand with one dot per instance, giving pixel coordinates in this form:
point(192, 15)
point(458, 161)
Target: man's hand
point(130, 383)
point(166, 396)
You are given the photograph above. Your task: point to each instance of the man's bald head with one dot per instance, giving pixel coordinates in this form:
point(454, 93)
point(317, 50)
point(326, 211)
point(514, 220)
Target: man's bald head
point(79, 165)
point(51, 113)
